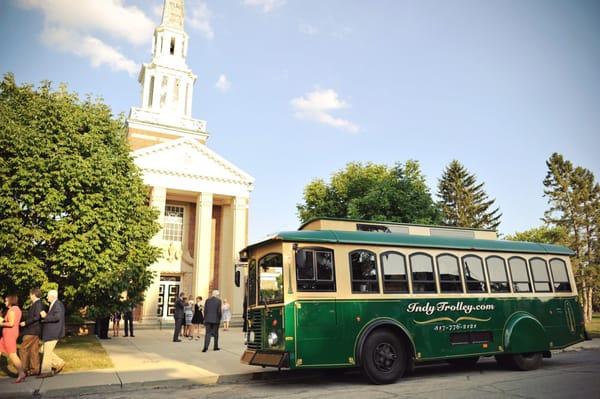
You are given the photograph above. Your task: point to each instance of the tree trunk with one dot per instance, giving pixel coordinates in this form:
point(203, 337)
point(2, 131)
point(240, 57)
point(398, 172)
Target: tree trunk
point(590, 305)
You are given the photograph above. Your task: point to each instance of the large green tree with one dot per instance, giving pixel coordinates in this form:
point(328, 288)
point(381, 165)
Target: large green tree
point(463, 201)
point(546, 234)
point(73, 207)
point(574, 198)
point(371, 192)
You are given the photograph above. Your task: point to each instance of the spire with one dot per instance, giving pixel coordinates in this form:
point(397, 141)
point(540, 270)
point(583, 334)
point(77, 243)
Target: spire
point(173, 14)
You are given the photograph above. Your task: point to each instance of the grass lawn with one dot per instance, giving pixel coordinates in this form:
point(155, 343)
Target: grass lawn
point(81, 353)
point(594, 327)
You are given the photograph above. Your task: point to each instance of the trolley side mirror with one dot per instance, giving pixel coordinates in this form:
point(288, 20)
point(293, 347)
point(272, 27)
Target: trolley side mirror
point(238, 275)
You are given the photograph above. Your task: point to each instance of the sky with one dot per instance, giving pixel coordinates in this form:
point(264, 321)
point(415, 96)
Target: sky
point(294, 90)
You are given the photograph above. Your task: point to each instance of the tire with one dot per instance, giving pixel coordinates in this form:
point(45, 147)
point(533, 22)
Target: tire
point(383, 357)
point(526, 361)
point(7, 367)
point(464, 362)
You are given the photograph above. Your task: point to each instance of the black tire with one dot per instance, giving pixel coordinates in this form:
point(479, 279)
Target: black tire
point(7, 367)
point(464, 362)
point(383, 357)
point(526, 361)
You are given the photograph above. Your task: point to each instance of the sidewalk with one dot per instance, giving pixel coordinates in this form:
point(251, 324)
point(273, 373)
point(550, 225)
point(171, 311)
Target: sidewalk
point(152, 360)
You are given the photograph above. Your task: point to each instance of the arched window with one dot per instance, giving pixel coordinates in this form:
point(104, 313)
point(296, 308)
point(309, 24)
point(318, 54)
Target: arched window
point(449, 273)
point(518, 273)
point(474, 275)
point(423, 278)
point(496, 268)
point(539, 272)
point(560, 275)
point(363, 271)
point(393, 270)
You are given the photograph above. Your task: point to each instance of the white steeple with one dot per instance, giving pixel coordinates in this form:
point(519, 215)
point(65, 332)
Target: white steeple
point(167, 82)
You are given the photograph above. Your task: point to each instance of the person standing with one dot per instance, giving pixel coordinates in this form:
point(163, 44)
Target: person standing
point(226, 310)
point(31, 333)
point(10, 333)
point(212, 320)
point(179, 317)
point(116, 322)
point(188, 310)
point(53, 329)
point(128, 318)
point(198, 317)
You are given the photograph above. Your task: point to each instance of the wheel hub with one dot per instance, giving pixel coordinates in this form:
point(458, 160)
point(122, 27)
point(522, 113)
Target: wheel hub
point(384, 357)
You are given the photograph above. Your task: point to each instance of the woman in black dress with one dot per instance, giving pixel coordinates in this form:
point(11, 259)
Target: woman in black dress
point(198, 317)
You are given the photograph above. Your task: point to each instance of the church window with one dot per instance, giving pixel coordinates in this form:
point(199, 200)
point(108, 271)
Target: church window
point(176, 91)
point(151, 91)
point(173, 227)
point(172, 48)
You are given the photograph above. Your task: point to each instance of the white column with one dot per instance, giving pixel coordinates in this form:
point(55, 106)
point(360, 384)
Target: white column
point(188, 100)
point(226, 255)
point(145, 89)
point(239, 218)
point(158, 198)
point(157, 90)
point(203, 242)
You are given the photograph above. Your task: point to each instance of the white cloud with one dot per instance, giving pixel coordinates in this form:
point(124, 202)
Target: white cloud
point(109, 16)
point(199, 18)
point(308, 29)
point(318, 105)
point(98, 52)
point(266, 5)
point(223, 83)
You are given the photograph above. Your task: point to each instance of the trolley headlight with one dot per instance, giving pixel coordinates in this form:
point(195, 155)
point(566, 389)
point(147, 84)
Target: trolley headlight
point(272, 339)
point(251, 337)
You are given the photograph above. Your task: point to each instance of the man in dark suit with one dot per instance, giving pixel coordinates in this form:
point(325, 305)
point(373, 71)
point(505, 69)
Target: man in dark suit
point(179, 316)
point(31, 331)
point(128, 316)
point(53, 329)
point(212, 320)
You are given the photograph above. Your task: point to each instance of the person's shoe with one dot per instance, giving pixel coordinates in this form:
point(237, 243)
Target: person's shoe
point(217, 349)
point(204, 350)
point(132, 336)
point(59, 369)
point(126, 335)
point(176, 340)
point(45, 375)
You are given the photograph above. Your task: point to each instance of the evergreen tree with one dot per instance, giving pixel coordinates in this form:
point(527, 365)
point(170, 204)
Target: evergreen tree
point(545, 234)
point(372, 192)
point(574, 199)
point(73, 206)
point(463, 201)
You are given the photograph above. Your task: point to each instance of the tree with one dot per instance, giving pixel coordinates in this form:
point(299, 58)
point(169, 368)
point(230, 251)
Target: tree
point(371, 192)
point(574, 199)
point(74, 212)
point(463, 201)
point(545, 234)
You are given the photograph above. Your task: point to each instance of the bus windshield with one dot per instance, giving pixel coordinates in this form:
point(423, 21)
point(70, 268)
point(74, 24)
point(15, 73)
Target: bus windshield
point(270, 279)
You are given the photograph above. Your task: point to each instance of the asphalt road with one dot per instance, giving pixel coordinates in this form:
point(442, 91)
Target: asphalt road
point(566, 375)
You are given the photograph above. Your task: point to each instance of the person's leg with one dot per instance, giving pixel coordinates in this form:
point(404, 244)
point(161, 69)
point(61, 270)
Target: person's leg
point(216, 335)
point(126, 327)
point(34, 355)
point(131, 326)
point(118, 326)
point(17, 362)
point(47, 359)
point(24, 352)
point(207, 334)
point(177, 331)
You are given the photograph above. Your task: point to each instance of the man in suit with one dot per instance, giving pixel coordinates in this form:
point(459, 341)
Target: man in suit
point(128, 316)
point(53, 329)
point(31, 332)
point(212, 320)
point(179, 316)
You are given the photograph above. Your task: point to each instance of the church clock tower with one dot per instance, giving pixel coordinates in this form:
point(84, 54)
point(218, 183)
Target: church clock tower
point(167, 86)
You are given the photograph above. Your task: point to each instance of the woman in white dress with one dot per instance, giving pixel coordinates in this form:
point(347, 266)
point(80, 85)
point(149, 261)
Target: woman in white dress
point(226, 314)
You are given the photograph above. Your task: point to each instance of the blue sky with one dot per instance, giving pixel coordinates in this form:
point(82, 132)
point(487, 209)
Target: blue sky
point(308, 86)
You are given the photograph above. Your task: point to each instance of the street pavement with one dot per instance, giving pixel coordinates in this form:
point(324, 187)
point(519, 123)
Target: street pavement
point(151, 363)
point(571, 374)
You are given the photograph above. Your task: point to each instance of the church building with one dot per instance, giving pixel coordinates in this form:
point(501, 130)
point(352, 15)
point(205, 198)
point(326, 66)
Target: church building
point(202, 198)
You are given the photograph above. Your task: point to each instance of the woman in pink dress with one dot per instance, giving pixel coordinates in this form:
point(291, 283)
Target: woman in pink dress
point(10, 333)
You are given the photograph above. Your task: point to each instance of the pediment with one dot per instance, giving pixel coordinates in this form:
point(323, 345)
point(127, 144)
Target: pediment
point(188, 158)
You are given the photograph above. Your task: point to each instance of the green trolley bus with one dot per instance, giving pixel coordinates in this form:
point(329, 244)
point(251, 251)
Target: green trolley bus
point(385, 296)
